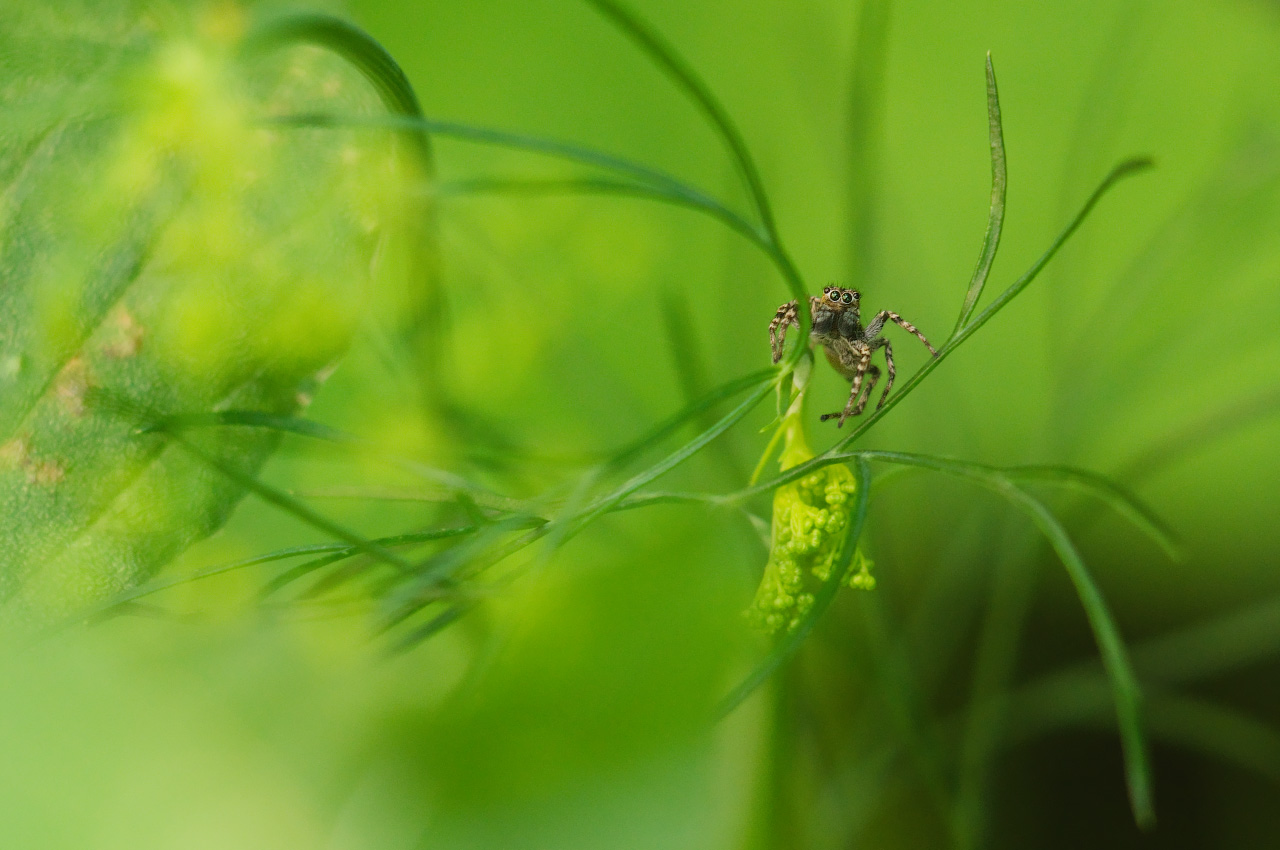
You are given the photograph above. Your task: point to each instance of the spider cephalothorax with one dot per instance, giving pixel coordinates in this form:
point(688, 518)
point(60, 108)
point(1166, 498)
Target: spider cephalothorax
point(837, 327)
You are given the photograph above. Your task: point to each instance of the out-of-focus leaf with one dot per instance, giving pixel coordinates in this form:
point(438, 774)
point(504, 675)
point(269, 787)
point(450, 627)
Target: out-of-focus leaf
point(162, 251)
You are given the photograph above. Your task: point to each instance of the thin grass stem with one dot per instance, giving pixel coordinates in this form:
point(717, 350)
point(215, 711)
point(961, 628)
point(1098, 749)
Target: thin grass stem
point(291, 505)
point(999, 192)
point(1126, 693)
point(673, 64)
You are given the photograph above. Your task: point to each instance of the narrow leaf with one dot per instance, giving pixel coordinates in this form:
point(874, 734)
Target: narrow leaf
point(999, 189)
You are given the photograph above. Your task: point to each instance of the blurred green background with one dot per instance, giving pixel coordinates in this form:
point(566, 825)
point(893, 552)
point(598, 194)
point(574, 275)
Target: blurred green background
point(959, 704)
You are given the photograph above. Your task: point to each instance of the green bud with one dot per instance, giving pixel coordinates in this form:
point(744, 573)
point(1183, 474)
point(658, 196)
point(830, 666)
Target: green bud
point(811, 518)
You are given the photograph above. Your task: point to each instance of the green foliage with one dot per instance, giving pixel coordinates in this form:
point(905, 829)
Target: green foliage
point(496, 466)
point(164, 253)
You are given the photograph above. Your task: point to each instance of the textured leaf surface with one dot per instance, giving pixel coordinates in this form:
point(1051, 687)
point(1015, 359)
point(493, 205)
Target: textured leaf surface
point(162, 250)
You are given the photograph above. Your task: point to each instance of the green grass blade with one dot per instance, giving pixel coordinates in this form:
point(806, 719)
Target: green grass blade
point(344, 550)
point(1128, 168)
point(671, 63)
point(357, 47)
point(293, 506)
point(251, 419)
point(302, 570)
point(210, 572)
point(665, 57)
point(436, 624)
point(317, 431)
point(555, 148)
point(791, 642)
point(767, 240)
point(1118, 498)
point(668, 463)
point(1124, 684)
point(999, 190)
point(1216, 730)
point(603, 186)
point(671, 425)
point(1201, 433)
point(682, 342)
point(1126, 693)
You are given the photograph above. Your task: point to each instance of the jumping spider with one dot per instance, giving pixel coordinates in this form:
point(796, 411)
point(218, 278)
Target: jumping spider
point(848, 345)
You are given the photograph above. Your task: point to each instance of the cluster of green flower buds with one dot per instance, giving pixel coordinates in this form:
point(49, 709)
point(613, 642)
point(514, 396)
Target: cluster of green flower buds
point(811, 518)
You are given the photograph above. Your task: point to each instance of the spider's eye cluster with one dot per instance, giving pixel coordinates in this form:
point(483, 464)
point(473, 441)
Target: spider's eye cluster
point(836, 295)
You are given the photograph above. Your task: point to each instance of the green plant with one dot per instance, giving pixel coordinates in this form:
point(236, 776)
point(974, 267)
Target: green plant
point(216, 264)
point(419, 594)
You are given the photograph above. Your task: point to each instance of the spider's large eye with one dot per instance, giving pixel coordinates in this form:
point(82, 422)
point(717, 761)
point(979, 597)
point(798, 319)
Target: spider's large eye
point(848, 298)
point(834, 295)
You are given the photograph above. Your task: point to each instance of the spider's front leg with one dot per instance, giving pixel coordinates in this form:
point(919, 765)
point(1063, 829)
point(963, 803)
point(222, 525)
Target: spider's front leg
point(873, 329)
point(784, 318)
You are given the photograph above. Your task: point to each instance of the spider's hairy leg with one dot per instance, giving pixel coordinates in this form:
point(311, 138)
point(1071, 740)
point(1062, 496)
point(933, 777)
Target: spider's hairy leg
point(784, 318)
point(887, 315)
point(873, 375)
point(864, 363)
point(888, 362)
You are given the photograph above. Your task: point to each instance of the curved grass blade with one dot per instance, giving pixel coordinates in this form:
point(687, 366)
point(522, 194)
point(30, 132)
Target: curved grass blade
point(1118, 498)
point(252, 419)
point(533, 144)
point(766, 240)
point(788, 645)
point(1126, 693)
point(345, 550)
point(999, 190)
point(357, 47)
point(1125, 690)
point(1248, 636)
point(436, 624)
point(1216, 730)
point(1201, 433)
point(600, 186)
point(672, 64)
point(412, 593)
